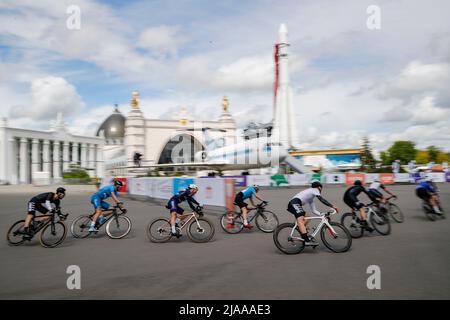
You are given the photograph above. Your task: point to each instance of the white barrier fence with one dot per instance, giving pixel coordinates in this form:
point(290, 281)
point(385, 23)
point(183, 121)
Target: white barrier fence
point(212, 191)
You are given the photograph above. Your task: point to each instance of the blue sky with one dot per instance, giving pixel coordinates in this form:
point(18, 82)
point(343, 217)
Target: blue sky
point(349, 81)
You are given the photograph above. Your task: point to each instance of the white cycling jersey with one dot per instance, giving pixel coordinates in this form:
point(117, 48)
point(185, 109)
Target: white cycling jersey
point(377, 185)
point(307, 197)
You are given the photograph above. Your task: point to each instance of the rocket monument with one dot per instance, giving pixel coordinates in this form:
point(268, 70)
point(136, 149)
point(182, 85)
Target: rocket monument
point(284, 122)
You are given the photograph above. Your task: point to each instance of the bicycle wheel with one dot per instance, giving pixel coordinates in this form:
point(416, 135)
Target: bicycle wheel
point(429, 212)
point(266, 221)
point(158, 230)
point(338, 241)
point(80, 227)
point(203, 231)
point(118, 227)
point(350, 222)
point(396, 213)
point(232, 222)
point(287, 243)
point(381, 223)
point(53, 234)
point(14, 235)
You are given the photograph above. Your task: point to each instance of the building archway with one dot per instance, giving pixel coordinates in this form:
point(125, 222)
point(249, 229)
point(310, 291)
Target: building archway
point(180, 149)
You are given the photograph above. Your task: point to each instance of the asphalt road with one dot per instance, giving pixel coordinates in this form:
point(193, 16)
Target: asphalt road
point(414, 260)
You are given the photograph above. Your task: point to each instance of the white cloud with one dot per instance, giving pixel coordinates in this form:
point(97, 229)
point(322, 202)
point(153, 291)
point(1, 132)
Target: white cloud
point(49, 96)
point(162, 39)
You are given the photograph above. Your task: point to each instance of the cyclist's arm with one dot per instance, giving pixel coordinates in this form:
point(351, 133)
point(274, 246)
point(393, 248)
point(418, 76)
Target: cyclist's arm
point(314, 209)
point(116, 200)
point(368, 194)
point(258, 197)
point(325, 202)
point(388, 191)
point(191, 201)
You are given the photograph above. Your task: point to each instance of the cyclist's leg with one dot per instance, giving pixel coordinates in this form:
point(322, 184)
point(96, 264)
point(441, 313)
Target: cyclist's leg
point(243, 206)
point(295, 207)
point(435, 203)
point(31, 213)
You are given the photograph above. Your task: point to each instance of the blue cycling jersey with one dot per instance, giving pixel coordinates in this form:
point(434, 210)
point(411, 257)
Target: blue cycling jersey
point(105, 192)
point(426, 185)
point(248, 192)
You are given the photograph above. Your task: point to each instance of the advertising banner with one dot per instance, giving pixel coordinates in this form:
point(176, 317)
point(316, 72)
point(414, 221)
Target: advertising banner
point(161, 188)
point(403, 177)
point(211, 191)
point(350, 178)
point(437, 176)
point(447, 176)
point(181, 184)
point(338, 178)
point(371, 177)
point(387, 178)
point(239, 181)
point(261, 180)
point(299, 179)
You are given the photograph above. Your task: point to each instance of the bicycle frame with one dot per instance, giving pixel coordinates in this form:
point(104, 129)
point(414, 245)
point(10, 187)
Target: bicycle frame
point(191, 216)
point(47, 221)
point(324, 221)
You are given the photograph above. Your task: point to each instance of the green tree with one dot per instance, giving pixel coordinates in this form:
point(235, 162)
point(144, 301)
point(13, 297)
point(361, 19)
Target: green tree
point(403, 151)
point(433, 153)
point(385, 159)
point(422, 157)
point(367, 158)
point(442, 156)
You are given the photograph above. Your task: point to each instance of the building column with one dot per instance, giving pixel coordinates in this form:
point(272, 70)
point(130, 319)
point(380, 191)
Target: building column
point(12, 167)
point(66, 155)
point(75, 153)
point(35, 161)
point(91, 159)
point(46, 156)
point(99, 164)
point(56, 162)
point(83, 155)
point(24, 165)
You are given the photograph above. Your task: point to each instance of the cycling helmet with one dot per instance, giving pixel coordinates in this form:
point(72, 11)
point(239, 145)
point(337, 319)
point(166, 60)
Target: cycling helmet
point(256, 186)
point(193, 186)
point(357, 183)
point(61, 190)
point(316, 184)
point(118, 183)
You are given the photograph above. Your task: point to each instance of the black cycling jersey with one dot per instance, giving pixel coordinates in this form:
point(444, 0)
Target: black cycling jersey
point(184, 196)
point(44, 197)
point(354, 191)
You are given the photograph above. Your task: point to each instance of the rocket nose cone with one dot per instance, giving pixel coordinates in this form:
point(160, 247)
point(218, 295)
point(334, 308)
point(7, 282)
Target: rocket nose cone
point(282, 33)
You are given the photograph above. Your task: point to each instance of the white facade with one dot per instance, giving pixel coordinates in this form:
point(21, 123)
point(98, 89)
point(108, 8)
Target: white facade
point(150, 137)
point(27, 156)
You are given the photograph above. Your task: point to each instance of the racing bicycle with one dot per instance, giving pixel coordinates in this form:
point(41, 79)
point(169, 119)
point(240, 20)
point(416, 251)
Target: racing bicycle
point(118, 225)
point(198, 228)
point(335, 236)
point(266, 221)
point(429, 211)
point(377, 219)
point(393, 210)
point(52, 227)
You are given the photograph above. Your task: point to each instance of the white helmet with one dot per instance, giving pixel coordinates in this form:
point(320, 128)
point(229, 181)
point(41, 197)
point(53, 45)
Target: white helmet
point(193, 186)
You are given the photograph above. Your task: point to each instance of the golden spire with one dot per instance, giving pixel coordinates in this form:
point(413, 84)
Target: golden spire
point(225, 104)
point(135, 99)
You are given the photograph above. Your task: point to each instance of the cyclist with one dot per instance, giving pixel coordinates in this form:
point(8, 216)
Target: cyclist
point(302, 198)
point(351, 200)
point(375, 190)
point(175, 209)
point(428, 192)
point(247, 193)
point(101, 206)
point(43, 203)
